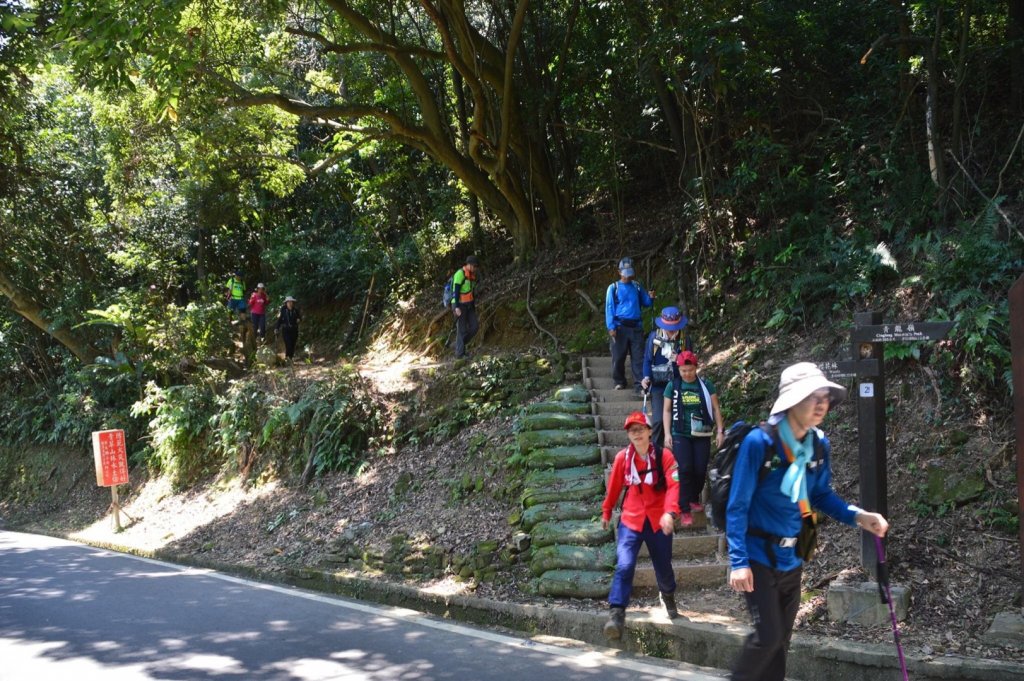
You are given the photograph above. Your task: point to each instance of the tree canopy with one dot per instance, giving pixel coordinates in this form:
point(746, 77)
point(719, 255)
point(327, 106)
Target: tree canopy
point(151, 148)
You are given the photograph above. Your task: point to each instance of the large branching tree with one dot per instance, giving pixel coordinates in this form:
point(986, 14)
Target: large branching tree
point(469, 84)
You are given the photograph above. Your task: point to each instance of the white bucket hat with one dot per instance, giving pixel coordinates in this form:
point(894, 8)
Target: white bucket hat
point(799, 381)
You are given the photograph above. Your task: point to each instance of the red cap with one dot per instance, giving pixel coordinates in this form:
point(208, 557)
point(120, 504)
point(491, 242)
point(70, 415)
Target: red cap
point(635, 418)
point(686, 357)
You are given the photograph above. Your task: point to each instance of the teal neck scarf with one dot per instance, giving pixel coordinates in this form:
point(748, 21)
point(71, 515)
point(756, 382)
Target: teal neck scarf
point(794, 482)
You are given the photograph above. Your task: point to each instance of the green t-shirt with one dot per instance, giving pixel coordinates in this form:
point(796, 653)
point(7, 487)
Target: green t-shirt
point(688, 400)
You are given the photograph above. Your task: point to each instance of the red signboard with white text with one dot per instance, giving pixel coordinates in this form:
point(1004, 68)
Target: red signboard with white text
point(111, 457)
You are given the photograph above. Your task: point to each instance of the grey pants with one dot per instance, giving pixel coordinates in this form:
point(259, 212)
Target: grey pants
point(466, 326)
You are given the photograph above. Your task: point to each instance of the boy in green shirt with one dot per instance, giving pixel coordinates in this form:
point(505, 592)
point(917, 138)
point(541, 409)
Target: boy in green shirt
point(692, 416)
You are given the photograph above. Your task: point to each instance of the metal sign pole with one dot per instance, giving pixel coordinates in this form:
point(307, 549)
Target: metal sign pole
point(870, 396)
point(1017, 360)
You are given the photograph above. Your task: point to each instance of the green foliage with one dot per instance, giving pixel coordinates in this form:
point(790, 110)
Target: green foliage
point(333, 423)
point(177, 431)
point(810, 272)
point(159, 339)
point(968, 273)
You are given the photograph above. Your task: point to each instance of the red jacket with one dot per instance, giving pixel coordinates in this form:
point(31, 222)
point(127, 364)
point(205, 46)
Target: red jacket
point(258, 302)
point(642, 501)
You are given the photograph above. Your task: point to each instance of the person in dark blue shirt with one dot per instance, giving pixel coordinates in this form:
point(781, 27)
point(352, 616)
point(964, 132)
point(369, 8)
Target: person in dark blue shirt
point(663, 345)
point(764, 515)
point(623, 305)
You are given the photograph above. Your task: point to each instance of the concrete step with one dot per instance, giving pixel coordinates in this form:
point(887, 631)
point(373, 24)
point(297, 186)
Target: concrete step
point(598, 366)
point(601, 367)
point(618, 409)
point(617, 438)
point(614, 422)
point(692, 546)
point(689, 574)
point(611, 395)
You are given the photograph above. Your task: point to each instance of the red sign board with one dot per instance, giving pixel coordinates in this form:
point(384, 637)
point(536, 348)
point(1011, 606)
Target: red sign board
point(111, 457)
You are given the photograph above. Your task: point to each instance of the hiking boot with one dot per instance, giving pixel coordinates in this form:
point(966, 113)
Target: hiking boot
point(620, 386)
point(669, 601)
point(616, 623)
point(686, 519)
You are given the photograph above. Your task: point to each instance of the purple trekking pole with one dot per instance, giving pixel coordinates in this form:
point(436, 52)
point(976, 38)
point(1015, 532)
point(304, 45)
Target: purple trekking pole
point(886, 594)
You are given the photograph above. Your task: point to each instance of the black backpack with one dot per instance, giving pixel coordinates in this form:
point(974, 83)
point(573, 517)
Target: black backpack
point(720, 470)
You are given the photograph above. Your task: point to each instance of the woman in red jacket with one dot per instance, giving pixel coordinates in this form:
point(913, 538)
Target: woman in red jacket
point(649, 511)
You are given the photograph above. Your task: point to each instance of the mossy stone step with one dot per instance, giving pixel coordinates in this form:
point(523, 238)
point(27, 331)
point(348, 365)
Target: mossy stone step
point(565, 557)
point(559, 510)
point(552, 421)
point(550, 407)
point(564, 457)
point(580, 489)
point(574, 583)
point(572, 393)
point(576, 532)
point(540, 439)
point(558, 476)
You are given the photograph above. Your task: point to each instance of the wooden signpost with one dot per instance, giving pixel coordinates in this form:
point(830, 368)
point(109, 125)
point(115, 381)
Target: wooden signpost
point(111, 459)
point(868, 371)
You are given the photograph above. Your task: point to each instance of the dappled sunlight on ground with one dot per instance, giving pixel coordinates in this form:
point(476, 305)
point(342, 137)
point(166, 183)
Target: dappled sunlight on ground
point(390, 368)
point(156, 516)
point(447, 587)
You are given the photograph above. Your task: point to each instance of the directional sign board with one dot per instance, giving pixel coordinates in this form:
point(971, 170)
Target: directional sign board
point(849, 368)
point(912, 331)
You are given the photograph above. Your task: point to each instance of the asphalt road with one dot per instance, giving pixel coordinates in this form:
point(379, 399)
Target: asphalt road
point(69, 611)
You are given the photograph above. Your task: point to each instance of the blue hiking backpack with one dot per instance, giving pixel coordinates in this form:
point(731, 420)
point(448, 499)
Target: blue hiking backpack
point(449, 292)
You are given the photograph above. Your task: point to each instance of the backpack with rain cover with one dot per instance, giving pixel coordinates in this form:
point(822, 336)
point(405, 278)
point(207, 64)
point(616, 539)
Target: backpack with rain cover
point(449, 292)
point(721, 469)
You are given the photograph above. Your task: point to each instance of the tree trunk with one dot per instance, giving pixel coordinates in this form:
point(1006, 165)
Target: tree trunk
point(959, 104)
point(1015, 36)
point(672, 116)
point(935, 164)
point(903, 25)
point(32, 311)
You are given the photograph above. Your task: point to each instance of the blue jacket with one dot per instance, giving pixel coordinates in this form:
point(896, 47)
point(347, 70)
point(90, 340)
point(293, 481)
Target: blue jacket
point(763, 505)
point(632, 297)
point(652, 357)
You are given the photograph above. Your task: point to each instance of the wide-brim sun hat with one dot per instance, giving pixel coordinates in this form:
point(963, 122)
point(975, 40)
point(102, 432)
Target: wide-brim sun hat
point(471, 260)
point(260, 286)
point(636, 418)
point(671, 319)
point(289, 299)
point(798, 382)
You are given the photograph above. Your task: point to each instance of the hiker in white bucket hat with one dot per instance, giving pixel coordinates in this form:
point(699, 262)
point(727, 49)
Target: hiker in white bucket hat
point(782, 472)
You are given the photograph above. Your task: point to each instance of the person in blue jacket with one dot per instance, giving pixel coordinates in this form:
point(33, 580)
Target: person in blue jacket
point(663, 345)
point(764, 516)
point(623, 305)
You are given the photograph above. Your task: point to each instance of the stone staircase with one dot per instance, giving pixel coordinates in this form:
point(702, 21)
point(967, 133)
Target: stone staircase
point(698, 551)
